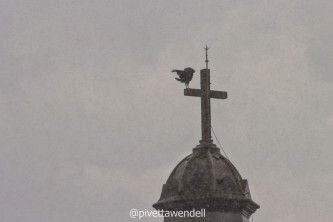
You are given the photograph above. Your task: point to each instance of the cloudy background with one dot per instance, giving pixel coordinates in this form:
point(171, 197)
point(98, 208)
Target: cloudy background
point(92, 121)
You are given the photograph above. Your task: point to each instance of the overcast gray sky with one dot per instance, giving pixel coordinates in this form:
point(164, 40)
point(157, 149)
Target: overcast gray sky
point(92, 121)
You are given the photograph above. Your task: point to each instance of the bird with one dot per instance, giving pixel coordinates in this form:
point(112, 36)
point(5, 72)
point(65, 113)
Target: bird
point(185, 75)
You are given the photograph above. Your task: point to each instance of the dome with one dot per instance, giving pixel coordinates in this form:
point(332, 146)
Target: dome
point(205, 179)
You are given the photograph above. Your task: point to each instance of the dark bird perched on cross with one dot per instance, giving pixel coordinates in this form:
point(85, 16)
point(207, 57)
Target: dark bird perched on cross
point(185, 76)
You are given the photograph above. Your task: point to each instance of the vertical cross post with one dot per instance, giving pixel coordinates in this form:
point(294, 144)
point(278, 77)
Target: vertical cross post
point(206, 137)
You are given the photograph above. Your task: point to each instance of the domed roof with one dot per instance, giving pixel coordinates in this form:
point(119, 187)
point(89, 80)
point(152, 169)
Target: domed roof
point(205, 179)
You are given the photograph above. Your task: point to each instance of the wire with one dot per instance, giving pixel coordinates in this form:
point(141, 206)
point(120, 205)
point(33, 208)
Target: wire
point(219, 143)
point(223, 151)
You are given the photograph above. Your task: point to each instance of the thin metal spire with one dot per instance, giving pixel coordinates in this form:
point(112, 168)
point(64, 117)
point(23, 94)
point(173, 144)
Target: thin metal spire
point(206, 48)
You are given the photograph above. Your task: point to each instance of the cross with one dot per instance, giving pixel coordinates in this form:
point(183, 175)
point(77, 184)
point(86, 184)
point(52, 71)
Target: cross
point(205, 93)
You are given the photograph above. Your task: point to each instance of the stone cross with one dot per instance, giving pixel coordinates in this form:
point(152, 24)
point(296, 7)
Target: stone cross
point(205, 93)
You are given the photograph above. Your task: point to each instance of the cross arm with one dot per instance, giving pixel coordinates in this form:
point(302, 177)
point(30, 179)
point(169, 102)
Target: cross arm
point(212, 94)
point(192, 92)
point(218, 94)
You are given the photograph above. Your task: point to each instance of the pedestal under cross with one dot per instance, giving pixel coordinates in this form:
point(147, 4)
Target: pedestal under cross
point(205, 93)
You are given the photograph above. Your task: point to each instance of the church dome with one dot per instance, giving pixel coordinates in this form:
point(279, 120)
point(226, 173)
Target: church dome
point(205, 179)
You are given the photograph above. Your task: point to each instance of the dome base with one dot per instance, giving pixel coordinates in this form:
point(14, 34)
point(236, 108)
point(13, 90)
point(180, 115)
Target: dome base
point(212, 217)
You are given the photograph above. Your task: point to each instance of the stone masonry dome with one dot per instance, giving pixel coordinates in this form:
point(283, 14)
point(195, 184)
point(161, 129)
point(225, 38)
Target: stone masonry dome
point(206, 179)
